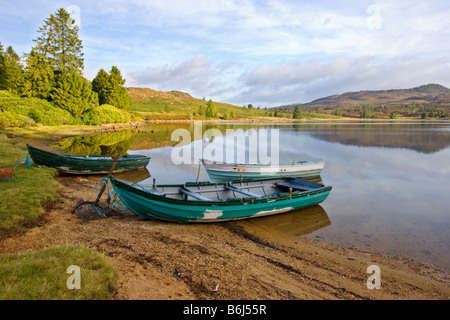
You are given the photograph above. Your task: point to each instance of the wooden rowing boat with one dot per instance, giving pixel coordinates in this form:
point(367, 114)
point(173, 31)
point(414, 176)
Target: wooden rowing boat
point(222, 172)
point(213, 202)
point(92, 164)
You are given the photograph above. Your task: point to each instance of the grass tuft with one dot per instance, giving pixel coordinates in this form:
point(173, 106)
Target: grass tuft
point(23, 199)
point(43, 275)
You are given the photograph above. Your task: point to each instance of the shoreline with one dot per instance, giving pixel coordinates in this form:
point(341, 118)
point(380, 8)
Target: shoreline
point(73, 130)
point(170, 261)
point(161, 260)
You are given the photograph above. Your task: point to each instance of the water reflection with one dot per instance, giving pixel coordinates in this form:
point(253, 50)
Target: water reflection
point(101, 144)
point(134, 175)
point(422, 137)
point(295, 223)
point(426, 137)
point(390, 180)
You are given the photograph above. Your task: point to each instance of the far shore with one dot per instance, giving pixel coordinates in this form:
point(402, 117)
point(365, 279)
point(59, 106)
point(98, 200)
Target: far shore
point(73, 130)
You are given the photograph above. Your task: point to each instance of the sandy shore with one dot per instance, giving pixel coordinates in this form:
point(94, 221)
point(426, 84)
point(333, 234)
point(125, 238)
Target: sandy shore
point(231, 260)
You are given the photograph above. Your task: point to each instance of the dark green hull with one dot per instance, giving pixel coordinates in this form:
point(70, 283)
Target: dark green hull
point(75, 164)
point(208, 202)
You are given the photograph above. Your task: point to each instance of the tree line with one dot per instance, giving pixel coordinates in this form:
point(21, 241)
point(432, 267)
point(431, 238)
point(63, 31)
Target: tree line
point(53, 71)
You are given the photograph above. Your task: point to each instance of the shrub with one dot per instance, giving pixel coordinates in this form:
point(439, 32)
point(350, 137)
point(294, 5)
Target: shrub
point(111, 114)
point(31, 110)
point(105, 114)
point(11, 119)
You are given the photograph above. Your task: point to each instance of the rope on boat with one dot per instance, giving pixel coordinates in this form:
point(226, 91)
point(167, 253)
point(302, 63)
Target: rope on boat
point(111, 201)
point(138, 185)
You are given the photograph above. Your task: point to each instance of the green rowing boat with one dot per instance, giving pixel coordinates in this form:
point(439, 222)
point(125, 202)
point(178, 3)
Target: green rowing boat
point(213, 202)
point(92, 164)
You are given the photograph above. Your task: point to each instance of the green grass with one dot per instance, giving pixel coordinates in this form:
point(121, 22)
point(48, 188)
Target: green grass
point(23, 200)
point(42, 275)
point(151, 104)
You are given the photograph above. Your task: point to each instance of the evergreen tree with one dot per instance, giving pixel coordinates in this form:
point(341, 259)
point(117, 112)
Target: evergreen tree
point(11, 76)
point(211, 111)
point(110, 88)
point(38, 77)
point(297, 113)
point(57, 52)
point(100, 84)
point(201, 110)
point(3, 78)
point(119, 95)
point(58, 43)
point(73, 93)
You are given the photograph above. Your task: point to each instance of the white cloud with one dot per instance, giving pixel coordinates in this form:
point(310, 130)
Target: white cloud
point(191, 76)
point(250, 51)
point(303, 82)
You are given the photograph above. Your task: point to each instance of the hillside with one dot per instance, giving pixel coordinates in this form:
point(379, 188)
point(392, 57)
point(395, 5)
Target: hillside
point(435, 94)
point(419, 102)
point(170, 105)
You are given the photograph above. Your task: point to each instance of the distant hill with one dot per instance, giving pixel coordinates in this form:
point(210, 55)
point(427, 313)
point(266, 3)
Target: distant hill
point(431, 101)
point(176, 105)
point(430, 94)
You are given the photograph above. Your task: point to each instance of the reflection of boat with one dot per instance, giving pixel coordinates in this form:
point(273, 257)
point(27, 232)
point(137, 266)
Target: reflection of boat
point(76, 164)
point(134, 176)
point(222, 172)
point(298, 222)
point(209, 202)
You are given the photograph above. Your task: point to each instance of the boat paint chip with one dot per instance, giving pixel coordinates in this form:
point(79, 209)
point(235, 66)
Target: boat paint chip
point(274, 211)
point(212, 214)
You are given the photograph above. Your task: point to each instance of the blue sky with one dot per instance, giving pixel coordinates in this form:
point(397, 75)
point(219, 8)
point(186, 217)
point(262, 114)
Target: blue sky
point(267, 53)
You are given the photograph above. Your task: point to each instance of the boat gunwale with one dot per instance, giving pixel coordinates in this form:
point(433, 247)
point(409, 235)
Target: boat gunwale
point(90, 157)
point(226, 202)
point(286, 163)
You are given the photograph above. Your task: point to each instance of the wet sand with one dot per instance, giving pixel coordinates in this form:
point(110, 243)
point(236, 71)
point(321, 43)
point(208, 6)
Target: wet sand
point(230, 260)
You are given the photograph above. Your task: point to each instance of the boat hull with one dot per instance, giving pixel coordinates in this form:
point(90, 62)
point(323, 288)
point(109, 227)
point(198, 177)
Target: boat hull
point(149, 205)
point(75, 164)
point(222, 172)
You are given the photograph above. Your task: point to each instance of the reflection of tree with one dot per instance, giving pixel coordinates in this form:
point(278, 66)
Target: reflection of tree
point(102, 144)
point(421, 137)
point(425, 137)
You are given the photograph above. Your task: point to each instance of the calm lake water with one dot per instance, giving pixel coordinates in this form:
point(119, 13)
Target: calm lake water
point(391, 181)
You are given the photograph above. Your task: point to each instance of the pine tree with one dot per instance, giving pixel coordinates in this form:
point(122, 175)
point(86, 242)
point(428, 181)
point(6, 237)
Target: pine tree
point(110, 88)
point(100, 84)
point(3, 77)
point(39, 77)
point(73, 93)
point(210, 111)
point(11, 76)
point(118, 96)
point(59, 44)
point(201, 110)
point(297, 113)
point(57, 52)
